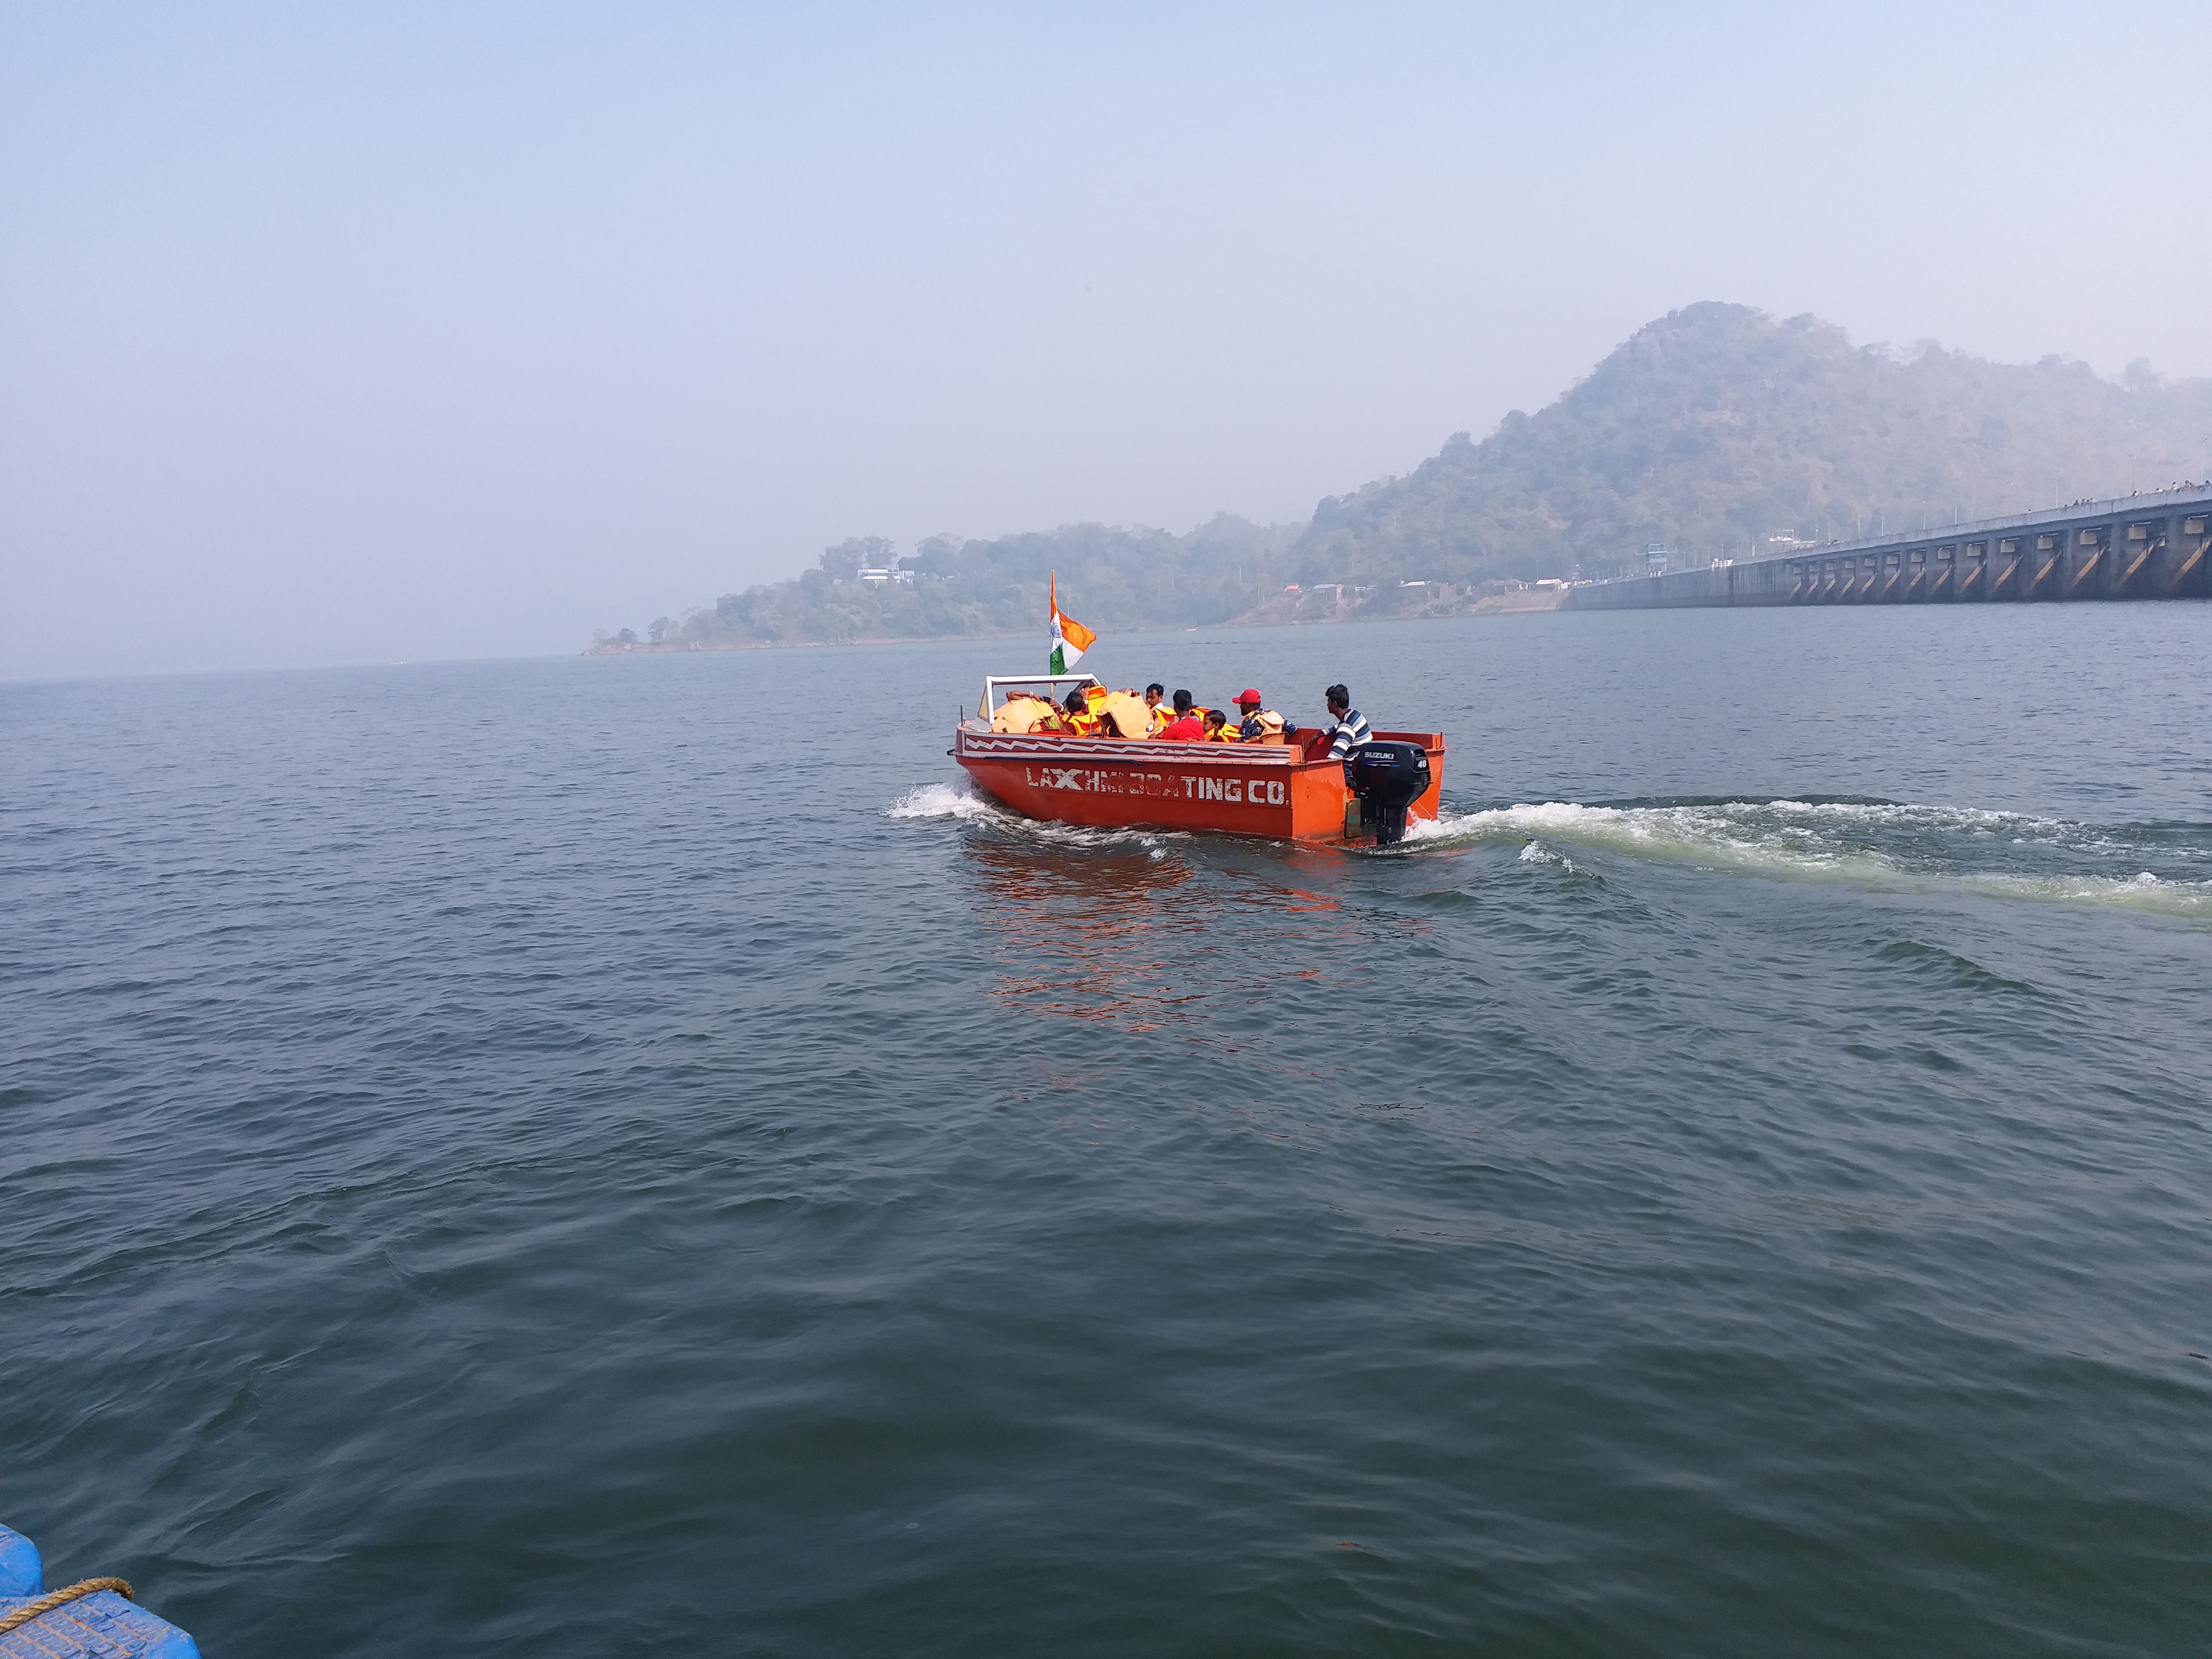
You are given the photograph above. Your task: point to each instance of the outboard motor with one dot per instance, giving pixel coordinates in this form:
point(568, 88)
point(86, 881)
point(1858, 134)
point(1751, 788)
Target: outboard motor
point(1387, 778)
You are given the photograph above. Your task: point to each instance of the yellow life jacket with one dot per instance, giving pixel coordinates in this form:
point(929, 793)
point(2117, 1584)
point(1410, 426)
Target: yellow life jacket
point(1021, 713)
point(1128, 711)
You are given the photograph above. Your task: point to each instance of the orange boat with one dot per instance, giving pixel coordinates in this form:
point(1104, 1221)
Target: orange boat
point(1289, 791)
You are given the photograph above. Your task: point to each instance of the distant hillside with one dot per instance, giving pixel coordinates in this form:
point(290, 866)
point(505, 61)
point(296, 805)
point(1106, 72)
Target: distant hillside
point(1710, 430)
point(1108, 579)
point(1718, 427)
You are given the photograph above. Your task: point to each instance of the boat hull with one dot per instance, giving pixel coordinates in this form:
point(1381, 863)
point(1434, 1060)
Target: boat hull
point(1238, 789)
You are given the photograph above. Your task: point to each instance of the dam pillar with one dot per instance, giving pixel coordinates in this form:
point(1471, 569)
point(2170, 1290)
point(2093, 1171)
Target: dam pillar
point(2005, 569)
point(2133, 555)
point(1964, 557)
point(1972, 581)
point(2086, 561)
point(2187, 558)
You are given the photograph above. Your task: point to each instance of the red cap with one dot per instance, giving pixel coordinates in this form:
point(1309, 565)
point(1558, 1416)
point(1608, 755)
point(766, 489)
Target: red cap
point(1248, 695)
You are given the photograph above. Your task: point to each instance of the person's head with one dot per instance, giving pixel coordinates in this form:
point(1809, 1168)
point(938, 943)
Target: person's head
point(1153, 693)
point(1182, 702)
point(1249, 699)
point(1215, 720)
point(1339, 700)
point(1077, 702)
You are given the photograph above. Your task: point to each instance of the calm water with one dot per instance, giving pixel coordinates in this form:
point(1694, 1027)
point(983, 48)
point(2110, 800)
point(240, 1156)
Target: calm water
point(531, 1159)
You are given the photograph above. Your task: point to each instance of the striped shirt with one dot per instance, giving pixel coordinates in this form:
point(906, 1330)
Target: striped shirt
point(1347, 732)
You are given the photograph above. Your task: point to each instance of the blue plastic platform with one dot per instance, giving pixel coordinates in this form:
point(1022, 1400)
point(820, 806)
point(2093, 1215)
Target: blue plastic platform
point(20, 1568)
point(102, 1623)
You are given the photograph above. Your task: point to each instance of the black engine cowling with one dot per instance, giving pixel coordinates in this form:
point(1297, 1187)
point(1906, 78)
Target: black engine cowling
point(1387, 778)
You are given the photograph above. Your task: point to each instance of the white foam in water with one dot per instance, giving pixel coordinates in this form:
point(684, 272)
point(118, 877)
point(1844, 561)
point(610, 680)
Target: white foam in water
point(1826, 840)
point(2144, 892)
point(1536, 853)
point(940, 801)
point(1723, 833)
point(945, 801)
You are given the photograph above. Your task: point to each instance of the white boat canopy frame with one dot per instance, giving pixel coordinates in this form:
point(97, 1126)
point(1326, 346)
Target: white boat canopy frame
point(992, 682)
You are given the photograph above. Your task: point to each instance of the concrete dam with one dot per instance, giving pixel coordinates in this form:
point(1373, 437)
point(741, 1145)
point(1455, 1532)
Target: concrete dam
point(2138, 547)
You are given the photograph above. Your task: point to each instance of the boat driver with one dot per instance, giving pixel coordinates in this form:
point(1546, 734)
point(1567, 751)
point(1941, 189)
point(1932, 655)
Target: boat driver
point(1350, 728)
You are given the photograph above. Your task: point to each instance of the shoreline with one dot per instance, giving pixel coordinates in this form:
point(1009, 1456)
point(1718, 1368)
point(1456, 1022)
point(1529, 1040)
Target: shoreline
point(1528, 602)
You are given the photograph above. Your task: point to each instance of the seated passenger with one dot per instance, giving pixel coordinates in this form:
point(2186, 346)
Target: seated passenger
point(1160, 717)
point(1187, 726)
point(1217, 727)
point(1258, 727)
point(1078, 719)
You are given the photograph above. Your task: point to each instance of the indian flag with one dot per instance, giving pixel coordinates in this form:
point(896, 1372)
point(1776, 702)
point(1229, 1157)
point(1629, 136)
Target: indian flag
point(1070, 638)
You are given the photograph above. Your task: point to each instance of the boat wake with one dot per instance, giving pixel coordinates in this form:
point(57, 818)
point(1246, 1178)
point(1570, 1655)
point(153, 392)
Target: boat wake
point(2161, 868)
point(944, 800)
point(951, 800)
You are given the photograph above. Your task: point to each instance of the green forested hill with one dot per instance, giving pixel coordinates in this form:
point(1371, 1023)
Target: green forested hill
point(1110, 578)
point(1717, 427)
point(1710, 430)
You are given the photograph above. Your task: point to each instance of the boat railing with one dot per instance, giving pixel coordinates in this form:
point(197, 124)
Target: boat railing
point(992, 682)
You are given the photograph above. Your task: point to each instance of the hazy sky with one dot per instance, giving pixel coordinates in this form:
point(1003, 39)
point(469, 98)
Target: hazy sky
point(337, 333)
